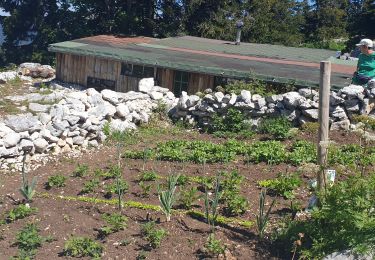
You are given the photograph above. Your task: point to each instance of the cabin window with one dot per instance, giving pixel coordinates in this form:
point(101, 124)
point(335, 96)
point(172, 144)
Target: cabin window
point(181, 82)
point(137, 71)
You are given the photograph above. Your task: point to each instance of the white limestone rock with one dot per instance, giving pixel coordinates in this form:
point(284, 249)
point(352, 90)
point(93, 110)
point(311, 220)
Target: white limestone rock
point(312, 113)
point(11, 139)
point(293, 99)
point(351, 91)
point(146, 85)
point(110, 96)
point(122, 110)
point(246, 96)
point(21, 123)
point(40, 145)
point(155, 95)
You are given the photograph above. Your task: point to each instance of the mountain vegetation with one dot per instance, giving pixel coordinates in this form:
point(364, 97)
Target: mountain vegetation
point(33, 24)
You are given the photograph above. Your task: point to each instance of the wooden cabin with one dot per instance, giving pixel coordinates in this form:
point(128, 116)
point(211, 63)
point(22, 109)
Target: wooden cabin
point(186, 63)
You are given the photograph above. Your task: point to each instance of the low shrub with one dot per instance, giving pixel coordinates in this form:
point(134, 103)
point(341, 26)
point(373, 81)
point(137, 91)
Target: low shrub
point(90, 186)
point(214, 246)
point(236, 205)
point(81, 170)
point(28, 241)
point(303, 152)
point(345, 221)
point(114, 188)
point(115, 222)
point(20, 212)
point(148, 176)
point(188, 197)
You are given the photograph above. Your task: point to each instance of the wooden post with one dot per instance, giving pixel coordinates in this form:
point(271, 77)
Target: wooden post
point(324, 91)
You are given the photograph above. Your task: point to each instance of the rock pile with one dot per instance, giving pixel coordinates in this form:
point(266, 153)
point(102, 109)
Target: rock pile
point(299, 107)
point(36, 70)
point(67, 119)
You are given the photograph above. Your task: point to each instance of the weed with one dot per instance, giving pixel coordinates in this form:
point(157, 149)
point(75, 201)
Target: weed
point(188, 197)
point(214, 246)
point(20, 212)
point(277, 127)
point(167, 198)
point(153, 235)
point(263, 216)
point(142, 255)
point(81, 247)
point(56, 181)
point(90, 186)
point(115, 222)
point(81, 170)
point(283, 185)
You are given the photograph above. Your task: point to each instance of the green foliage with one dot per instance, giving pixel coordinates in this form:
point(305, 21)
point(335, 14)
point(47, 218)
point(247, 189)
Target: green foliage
point(56, 181)
point(277, 127)
point(117, 186)
point(230, 125)
point(182, 180)
point(153, 235)
point(107, 129)
point(214, 246)
point(271, 152)
point(303, 152)
point(254, 86)
point(188, 197)
point(115, 222)
point(146, 189)
point(345, 221)
point(284, 185)
point(369, 122)
point(82, 247)
point(20, 212)
point(27, 189)
point(310, 127)
point(81, 170)
point(28, 241)
point(263, 216)
point(236, 205)
point(167, 197)
point(211, 204)
point(90, 186)
point(231, 184)
point(148, 176)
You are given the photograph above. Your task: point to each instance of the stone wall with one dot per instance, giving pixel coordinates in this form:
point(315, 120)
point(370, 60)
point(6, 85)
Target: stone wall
point(70, 118)
point(299, 107)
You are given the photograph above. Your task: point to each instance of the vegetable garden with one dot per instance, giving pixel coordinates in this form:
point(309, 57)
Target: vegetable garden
point(176, 193)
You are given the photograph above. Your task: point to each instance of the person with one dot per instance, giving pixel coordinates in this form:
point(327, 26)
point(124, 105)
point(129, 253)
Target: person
point(366, 63)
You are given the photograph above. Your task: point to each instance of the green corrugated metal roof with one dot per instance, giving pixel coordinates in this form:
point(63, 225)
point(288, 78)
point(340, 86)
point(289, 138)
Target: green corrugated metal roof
point(158, 54)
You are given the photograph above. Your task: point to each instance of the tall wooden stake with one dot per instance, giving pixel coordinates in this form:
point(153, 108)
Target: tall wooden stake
point(324, 91)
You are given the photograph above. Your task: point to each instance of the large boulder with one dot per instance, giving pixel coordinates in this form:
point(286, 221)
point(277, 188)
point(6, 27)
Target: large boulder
point(146, 85)
point(21, 123)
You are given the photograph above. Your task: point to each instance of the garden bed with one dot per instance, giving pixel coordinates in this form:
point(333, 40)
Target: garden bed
point(77, 208)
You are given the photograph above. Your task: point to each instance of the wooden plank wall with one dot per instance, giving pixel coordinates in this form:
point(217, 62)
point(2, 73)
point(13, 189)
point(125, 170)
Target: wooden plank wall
point(200, 82)
point(165, 78)
point(75, 69)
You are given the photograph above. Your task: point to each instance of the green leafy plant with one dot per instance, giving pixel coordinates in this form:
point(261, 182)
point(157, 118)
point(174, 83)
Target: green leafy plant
point(236, 205)
point(263, 216)
point(146, 189)
point(167, 197)
point(231, 184)
point(148, 176)
point(117, 186)
point(344, 221)
point(182, 180)
point(27, 189)
point(255, 86)
point(214, 246)
point(188, 197)
point(90, 186)
point(310, 127)
point(283, 185)
point(271, 152)
point(303, 152)
point(153, 235)
point(82, 247)
point(56, 181)
point(81, 170)
point(28, 241)
point(20, 212)
point(277, 127)
point(115, 222)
